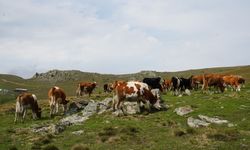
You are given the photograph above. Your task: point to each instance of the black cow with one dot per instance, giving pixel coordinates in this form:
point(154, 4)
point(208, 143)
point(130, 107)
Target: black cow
point(181, 84)
point(154, 83)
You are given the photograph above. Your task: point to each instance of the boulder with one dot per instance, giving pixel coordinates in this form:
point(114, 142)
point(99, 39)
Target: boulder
point(195, 123)
point(212, 120)
point(181, 111)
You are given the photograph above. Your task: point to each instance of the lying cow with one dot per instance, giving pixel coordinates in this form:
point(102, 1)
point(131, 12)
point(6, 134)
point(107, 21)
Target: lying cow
point(85, 87)
point(56, 97)
point(153, 83)
point(135, 91)
point(25, 101)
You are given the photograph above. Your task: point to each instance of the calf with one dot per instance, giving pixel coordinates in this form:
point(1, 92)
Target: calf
point(153, 83)
point(196, 81)
point(25, 101)
point(135, 91)
point(57, 96)
point(86, 87)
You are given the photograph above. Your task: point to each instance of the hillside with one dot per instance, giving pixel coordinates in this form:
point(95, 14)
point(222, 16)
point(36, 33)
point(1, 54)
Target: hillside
point(148, 130)
point(41, 82)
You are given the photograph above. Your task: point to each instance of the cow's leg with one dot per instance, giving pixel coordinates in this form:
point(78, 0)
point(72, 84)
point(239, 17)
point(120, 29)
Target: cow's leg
point(52, 110)
point(16, 116)
point(23, 114)
point(57, 108)
point(114, 101)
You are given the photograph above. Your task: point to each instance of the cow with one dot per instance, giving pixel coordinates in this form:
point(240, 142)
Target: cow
point(85, 87)
point(56, 97)
point(135, 91)
point(108, 87)
point(234, 81)
point(215, 80)
point(167, 84)
point(25, 101)
point(153, 83)
point(196, 81)
point(181, 84)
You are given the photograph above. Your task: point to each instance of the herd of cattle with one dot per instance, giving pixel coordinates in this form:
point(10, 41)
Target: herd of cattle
point(145, 92)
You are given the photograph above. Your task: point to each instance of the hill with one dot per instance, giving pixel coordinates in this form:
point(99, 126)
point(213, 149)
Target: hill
point(68, 79)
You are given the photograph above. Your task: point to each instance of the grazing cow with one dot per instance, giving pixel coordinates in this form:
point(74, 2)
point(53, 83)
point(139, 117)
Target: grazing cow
point(181, 84)
point(25, 101)
point(215, 80)
point(108, 88)
point(196, 81)
point(153, 83)
point(135, 91)
point(86, 87)
point(57, 96)
point(167, 84)
point(234, 81)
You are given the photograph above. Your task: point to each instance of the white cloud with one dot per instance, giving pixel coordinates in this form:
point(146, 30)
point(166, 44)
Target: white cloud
point(122, 36)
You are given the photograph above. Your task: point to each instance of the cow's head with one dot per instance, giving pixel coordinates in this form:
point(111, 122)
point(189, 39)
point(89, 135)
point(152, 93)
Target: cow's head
point(156, 94)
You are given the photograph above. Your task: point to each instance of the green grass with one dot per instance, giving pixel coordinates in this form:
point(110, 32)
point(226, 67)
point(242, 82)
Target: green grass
point(158, 130)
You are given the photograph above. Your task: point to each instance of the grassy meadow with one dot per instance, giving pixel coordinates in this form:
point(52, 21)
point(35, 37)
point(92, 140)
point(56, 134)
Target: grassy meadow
point(157, 130)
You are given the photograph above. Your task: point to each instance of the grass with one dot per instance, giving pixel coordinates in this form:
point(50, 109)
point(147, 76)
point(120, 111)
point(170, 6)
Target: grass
point(157, 130)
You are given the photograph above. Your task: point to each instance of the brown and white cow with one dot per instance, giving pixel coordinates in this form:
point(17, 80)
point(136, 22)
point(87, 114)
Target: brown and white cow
point(134, 91)
point(56, 97)
point(85, 87)
point(25, 101)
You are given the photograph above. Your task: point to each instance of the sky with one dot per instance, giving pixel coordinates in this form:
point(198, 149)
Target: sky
point(122, 36)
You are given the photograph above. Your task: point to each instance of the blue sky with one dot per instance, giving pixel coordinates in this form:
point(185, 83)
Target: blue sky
point(122, 36)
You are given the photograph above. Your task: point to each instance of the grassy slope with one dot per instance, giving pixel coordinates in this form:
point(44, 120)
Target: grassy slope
point(160, 130)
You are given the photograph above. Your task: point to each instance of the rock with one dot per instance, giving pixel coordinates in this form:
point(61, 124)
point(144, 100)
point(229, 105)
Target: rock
point(41, 129)
point(77, 106)
point(56, 129)
point(130, 107)
point(181, 111)
point(104, 105)
point(187, 92)
point(195, 123)
point(212, 120)
point(78, 132)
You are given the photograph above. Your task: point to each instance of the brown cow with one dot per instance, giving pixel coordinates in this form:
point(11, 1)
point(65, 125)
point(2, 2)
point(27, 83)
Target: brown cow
point(196, 81)
point(86, 87)
point(57, 96)
point(135, 91)
point(25, 101)
point(215, 80)
point(234, 81)
point(167, 84)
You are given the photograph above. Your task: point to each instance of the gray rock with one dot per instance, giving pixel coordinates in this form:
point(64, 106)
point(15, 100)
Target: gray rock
point(195, 123)
point(181, 111)
point(212, 120)
point(56, 129)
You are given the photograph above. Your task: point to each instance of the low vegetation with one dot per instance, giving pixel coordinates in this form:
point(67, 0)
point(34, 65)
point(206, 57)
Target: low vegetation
point(157, 130)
